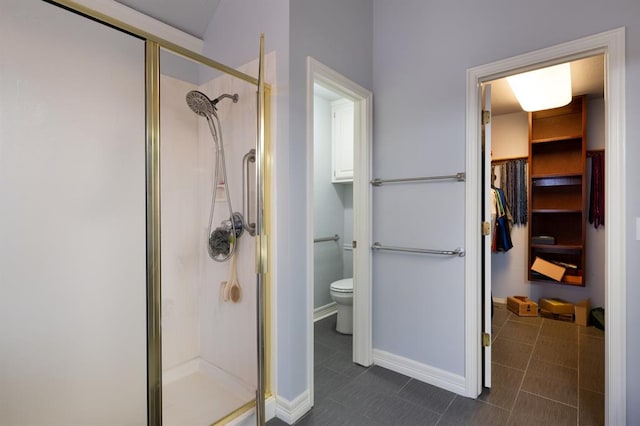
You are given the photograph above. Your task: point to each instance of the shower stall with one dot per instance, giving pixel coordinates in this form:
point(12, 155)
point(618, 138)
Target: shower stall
point(133, 279)
point(207, 128)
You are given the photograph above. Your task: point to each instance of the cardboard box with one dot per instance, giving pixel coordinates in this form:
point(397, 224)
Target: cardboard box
point(556, 306)
point(582, 312)
point(548, 269)
point(573, 279)
point(558, 317)
point(522, 306)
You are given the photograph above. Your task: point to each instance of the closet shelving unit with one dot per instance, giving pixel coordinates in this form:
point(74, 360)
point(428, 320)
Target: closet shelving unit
point(557, 189)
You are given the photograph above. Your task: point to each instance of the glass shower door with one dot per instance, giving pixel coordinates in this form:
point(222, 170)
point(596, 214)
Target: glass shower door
point(72, 220)
point(208, 214)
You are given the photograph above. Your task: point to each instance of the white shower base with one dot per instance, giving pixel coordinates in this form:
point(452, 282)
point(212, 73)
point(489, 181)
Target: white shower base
point(198, 394)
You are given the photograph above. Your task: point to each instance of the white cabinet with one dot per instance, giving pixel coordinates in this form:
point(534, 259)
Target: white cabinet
point(342, 137)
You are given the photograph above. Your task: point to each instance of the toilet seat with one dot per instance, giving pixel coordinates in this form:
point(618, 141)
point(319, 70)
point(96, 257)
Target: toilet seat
point(342, 286)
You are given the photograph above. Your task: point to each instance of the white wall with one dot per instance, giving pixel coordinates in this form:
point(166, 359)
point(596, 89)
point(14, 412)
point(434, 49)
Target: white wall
point(328, 207)
point(72, 220)
point(181, 223)
point(421, 53)
point(510, 139)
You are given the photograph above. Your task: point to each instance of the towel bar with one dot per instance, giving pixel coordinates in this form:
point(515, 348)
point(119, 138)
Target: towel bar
point(335, 237)
point(460, 177)
point(457, 252)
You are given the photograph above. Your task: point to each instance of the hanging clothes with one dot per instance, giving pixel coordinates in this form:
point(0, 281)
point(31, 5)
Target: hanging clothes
point(512, 177)
point(596, 200)
point(501, 237)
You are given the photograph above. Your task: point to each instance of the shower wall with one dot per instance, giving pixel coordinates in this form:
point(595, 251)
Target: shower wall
point(198, 327)
point(227, 329)
point(181, 223)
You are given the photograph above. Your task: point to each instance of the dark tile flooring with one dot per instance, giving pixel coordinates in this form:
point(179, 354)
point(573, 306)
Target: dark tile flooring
point(545, 372)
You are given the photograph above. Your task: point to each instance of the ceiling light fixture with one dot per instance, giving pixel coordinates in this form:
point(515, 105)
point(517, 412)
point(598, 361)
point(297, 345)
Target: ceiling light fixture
point(544, 88)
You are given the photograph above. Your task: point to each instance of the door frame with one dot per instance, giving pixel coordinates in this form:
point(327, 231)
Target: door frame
point(486, 182)
point(363, 100)
point(612, 45)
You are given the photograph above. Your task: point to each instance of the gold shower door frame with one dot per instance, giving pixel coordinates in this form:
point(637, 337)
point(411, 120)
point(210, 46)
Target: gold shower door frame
point(263, 219)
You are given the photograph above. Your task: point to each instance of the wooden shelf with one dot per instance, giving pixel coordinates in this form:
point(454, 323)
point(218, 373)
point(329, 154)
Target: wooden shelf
point(557, 139)
point(536, 211)
point(557, 247)
point(557, 187)
point(557, 179)
point(541, 278)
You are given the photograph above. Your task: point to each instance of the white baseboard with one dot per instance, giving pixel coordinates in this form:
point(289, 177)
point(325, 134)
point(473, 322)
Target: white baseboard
point(324, 311)
point(425, 373)
point(292, 411)
point(500, 300)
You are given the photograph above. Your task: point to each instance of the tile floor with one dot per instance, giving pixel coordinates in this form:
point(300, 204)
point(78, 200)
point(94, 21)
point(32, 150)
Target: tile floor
point(545, 372)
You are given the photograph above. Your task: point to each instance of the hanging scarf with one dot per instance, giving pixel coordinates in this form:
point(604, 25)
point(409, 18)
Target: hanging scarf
point(596, 202)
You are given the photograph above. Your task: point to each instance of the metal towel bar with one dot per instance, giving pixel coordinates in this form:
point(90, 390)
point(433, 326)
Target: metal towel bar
point(460, 177)
point(335, 237)
point(457, 252)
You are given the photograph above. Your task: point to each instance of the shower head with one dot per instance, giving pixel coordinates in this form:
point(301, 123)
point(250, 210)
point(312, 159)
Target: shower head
point(200, 103)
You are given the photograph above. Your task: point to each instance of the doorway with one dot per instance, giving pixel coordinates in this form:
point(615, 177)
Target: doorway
point(611, 44)
point(349, 100)
point(573, 355)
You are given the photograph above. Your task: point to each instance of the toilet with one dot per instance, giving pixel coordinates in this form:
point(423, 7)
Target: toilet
point(342, 293)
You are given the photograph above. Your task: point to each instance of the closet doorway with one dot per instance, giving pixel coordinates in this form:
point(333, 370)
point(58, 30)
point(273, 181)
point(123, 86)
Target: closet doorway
point(348, 109)
point(572, 355)
point(611, 45)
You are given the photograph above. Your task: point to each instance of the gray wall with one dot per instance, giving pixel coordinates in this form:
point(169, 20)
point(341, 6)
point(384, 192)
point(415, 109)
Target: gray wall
point(338, 34)
point(421, 53)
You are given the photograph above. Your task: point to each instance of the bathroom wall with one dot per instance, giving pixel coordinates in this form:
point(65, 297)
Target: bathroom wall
point(294, 30)
point(510, 139)
point(338, 34)
point(420, 119)
point(420, 110)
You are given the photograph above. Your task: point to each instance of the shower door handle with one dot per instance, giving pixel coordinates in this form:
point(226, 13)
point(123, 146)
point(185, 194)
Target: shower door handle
point(249, 157)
